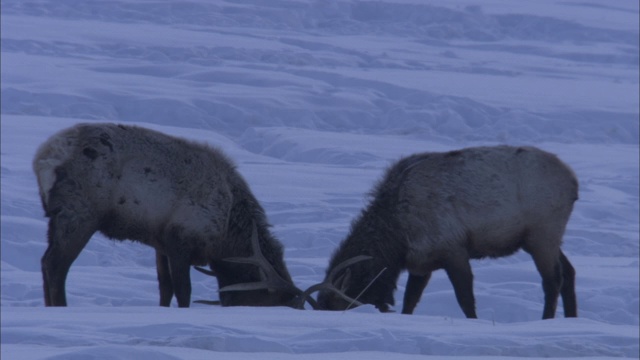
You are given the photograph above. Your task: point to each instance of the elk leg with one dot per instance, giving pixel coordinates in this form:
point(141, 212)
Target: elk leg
point(568, 289)
point(551, 283)
point(164, 279)
point(413, 292)
point(68, 234)
point(181, 279)
point(550, 269)
point(461, 277)
point(48, 265)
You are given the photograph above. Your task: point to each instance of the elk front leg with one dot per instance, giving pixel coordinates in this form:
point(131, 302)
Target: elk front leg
point(461, 277)
point(181, 279)
point(165, 283)
point(413, 292)
point(68, 234)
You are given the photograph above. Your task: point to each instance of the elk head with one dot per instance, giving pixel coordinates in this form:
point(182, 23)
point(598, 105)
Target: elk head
point(273, 282)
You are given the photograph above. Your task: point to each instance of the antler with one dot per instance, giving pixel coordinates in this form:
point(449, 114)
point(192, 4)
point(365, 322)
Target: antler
point(205, 271)
point(270, 279)
point(208, 302)
point(328, 284)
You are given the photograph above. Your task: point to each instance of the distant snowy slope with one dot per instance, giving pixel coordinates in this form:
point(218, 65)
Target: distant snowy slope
point(445, 69)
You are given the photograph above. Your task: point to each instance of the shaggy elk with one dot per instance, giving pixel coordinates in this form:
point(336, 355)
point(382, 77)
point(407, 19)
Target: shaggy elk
point(439, 210)
point(184, 199)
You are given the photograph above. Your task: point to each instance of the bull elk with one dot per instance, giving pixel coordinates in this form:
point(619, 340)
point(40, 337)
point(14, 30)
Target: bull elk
point(439, 210)
point(184, 199)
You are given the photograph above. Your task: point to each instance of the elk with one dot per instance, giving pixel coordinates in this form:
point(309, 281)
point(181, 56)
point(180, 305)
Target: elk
point(436, 211)
point(184, 199)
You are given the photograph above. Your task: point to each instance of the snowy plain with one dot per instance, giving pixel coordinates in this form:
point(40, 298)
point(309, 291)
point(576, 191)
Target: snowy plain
point(313, 100)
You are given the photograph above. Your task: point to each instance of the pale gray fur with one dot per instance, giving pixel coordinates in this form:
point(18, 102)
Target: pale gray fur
point(185, 199)
point(438, 210)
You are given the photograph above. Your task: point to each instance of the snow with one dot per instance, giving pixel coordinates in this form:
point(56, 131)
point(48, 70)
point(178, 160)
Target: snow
point(313, 100)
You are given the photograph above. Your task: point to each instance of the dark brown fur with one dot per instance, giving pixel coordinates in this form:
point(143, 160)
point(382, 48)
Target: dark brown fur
point(439, 210)
point(184, 199)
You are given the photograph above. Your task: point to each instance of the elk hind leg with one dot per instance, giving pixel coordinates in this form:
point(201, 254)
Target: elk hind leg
point(548, 263)
point(568, 289)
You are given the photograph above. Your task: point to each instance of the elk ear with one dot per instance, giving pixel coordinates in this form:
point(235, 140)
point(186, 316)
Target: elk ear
point(342, 282)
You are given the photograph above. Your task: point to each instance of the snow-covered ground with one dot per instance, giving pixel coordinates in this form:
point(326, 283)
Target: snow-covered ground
point(313, 100)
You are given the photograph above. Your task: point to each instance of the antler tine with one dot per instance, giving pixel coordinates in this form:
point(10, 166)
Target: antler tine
point(346, 263)
point(208, 302)
point(205, 271)
point(327, 284)
point(270, 278)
